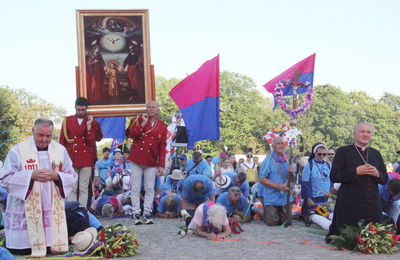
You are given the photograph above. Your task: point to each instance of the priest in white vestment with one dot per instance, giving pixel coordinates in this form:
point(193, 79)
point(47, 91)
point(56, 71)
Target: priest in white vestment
point(37, 168)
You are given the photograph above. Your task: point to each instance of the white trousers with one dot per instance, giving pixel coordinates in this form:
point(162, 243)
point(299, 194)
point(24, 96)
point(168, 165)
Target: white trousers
point(149, 175)
point(322, 221)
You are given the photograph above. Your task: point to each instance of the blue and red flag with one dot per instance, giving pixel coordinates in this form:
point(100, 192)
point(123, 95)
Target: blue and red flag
point(305, 69)
point(197, 96)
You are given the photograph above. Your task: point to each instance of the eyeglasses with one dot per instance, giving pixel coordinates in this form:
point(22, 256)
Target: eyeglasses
point(249, 156)
point(321, 154)
point(331, 154)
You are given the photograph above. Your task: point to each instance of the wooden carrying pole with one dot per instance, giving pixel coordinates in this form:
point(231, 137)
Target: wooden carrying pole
point(293, 123)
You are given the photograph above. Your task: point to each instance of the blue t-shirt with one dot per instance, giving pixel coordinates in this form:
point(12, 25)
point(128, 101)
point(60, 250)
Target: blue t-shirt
point(260, 188)
point(244, 188)
point(120, 167)
point(190, 196)
point(319, 176)
point(93, 221)
point(5, 254)
point(201, 169)
point(3, 194)
point(242, 205)
point(103, 166)
point(386, 198)
point(171, 185)
point(162, 207)
point(273, 196)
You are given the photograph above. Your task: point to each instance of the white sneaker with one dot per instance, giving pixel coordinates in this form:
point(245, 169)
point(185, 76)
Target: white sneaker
point(146, 219)
point(136, 219)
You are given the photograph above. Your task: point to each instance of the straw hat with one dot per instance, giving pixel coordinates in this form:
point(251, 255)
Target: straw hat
point(222, 181)
point(84, 240)
point(176, 175)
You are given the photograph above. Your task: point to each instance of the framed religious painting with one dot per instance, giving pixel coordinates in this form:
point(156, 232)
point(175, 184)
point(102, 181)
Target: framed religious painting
point(114, 71)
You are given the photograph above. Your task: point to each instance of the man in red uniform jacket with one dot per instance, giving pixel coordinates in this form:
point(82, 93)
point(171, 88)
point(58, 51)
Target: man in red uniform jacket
point(147, 156)
point(79, 134)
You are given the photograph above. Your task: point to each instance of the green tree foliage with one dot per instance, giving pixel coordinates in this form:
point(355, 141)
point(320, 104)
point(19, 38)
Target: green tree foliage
point(168, 106)
point(9, 127)
point(240, 104)
point(23, 108)
point(330, 119)
point(334, 113)
point(101, 146)
point(391, 100)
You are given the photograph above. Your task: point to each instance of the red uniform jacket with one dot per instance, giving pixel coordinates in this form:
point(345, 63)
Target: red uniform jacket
point(82, 149)
point(149, 143)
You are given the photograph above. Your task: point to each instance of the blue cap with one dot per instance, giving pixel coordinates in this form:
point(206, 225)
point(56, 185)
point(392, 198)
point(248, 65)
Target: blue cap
point(182, 157)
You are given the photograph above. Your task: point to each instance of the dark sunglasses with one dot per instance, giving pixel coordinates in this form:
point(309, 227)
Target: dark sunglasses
point(331, 154)
point(323, 154)
point(249, 156)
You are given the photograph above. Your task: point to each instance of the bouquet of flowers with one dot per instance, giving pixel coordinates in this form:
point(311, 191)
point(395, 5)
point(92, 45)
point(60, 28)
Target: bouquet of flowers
point(377, 238)
point(117, 240)
point(372, 238)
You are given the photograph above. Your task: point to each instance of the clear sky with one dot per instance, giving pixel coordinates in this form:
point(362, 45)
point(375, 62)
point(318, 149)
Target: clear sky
point(357, 42)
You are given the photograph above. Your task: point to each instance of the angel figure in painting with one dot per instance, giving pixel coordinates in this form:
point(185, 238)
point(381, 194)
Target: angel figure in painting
point(113, 72)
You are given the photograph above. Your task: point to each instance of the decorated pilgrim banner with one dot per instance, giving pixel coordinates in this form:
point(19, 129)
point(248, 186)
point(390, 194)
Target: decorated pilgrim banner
point(197, 96)
point(305, 69)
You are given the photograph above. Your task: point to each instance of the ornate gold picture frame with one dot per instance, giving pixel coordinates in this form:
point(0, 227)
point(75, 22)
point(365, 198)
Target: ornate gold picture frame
point(114, 72)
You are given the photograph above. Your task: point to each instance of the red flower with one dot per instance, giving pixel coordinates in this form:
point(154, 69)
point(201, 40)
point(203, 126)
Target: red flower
point(368, 250)
point(118, 249)
point(372, 228)
point(395, 239)
point(102, 235)
point(362, 242)
point(136, 242)
point(108, 255)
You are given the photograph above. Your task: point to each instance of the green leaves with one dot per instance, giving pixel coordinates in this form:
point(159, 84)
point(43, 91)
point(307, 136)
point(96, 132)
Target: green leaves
point(22, 108)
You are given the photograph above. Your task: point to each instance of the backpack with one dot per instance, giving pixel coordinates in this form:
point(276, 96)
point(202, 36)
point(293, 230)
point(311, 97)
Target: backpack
point(76, 216)
point(176, 164)
point(251, 174)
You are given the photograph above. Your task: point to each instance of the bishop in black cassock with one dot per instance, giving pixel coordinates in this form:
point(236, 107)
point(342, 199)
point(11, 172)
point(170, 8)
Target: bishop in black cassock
point(359, 168)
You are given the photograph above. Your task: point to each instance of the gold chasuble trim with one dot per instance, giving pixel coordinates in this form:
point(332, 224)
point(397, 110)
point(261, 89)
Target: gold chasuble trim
point(34, 221)
point(33, 203)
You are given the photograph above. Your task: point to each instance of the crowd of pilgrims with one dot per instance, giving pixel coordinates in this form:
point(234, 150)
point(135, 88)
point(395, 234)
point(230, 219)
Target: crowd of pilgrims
point(228, 192)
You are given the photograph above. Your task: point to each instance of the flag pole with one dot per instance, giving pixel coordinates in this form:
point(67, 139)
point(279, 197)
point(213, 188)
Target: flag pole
point(293, 123)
